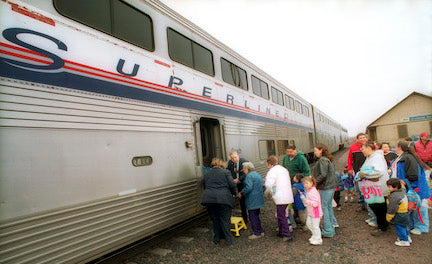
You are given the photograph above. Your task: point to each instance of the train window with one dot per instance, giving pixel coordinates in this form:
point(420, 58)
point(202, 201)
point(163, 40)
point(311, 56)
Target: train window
point(132, 25)
point(260, 88)
point(113, 17)
point(266, 148)
point(277, 96)
point(289, 102)
point(180, 48)
point(189, 53)
point(92, 13)
point(203, 59)
point(233, 74)
point(298, 107)
point(306, 110)
point(282, 146)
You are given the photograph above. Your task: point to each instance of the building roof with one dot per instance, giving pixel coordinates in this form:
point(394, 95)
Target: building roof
point(411, 94)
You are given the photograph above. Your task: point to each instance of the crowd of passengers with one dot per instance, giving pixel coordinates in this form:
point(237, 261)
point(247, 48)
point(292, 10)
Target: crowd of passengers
point(393, 185)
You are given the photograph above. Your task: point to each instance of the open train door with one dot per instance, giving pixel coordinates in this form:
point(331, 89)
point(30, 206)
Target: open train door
point(209, 142)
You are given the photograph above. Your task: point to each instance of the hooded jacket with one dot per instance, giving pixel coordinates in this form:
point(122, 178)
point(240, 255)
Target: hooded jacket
point(298, 164)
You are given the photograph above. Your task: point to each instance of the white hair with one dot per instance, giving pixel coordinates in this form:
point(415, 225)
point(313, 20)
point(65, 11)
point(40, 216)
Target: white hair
point(248, 165)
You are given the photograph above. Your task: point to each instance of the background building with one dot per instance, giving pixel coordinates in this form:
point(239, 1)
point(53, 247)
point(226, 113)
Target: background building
point(410, 117)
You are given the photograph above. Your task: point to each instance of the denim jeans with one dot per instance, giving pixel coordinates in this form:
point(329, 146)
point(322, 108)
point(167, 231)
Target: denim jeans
point(361, 200)
point(329, 220)
point(291, 219)
point(402, 232)
point(372, 216)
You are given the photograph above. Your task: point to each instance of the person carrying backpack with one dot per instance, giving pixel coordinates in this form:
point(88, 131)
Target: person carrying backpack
point(406, 168)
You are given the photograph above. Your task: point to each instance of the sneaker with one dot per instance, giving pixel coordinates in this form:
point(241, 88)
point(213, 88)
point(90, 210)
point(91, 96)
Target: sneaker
point(336, 226)
point(346, 199)
point(371, 223)
point(315, 243)
point(409, 239)
point(253, 236)
point(352, 199)
point(415, 232)
point(402, 243)
point(338, 208)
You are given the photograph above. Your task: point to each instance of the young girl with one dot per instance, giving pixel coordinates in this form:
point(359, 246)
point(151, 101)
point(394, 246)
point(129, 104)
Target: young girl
point(313, 204)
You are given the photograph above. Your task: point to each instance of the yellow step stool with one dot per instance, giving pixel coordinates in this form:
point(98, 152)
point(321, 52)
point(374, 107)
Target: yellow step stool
point(238, 223)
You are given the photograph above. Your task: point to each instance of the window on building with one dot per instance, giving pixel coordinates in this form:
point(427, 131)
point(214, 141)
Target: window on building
point(189, 53)
point(266, 148)
point(114, 17)
point(277, 96)
point(260, 88)
point(402, 131)
point(233, 74)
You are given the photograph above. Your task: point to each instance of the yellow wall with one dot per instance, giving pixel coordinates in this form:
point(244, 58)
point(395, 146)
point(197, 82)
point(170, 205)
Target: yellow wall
point(414, 105)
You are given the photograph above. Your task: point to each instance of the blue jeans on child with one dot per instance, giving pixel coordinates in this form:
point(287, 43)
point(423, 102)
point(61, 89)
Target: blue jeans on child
point(329, 220)
point(372, 216)
point(402, 232)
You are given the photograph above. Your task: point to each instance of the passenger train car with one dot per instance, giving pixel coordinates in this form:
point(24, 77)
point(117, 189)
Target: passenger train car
point(110, 109)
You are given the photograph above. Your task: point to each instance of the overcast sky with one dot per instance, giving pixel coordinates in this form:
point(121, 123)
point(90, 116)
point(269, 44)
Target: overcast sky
point(353, 59)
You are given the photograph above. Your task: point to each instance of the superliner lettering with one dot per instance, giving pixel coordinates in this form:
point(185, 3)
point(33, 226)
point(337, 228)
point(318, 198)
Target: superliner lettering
point(12, 35)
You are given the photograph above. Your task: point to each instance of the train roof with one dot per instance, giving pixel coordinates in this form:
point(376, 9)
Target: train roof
point(204, 34)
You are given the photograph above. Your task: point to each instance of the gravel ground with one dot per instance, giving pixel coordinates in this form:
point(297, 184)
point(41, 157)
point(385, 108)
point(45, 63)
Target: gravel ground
point(352, 243)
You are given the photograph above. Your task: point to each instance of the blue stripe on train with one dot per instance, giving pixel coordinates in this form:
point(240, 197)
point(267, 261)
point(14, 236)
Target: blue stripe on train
point(79, 82)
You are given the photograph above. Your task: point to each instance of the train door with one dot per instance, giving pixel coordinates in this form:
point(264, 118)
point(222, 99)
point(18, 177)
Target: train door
point(209, 142)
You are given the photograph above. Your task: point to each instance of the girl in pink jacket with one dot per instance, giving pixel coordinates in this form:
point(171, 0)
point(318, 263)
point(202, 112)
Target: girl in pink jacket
point(313, 204)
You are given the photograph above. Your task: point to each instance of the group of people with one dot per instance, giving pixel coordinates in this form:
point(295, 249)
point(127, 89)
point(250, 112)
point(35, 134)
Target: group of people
point(382, 177)
point(289, 185)
point(393, 186)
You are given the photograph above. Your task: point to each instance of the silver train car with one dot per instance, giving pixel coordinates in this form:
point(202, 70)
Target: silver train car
point(110, 109)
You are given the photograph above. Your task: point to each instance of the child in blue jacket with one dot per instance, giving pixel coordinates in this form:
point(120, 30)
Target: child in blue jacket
point(299, 192)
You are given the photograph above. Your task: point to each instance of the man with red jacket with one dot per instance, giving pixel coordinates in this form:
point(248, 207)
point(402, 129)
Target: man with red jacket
point(423, 148)
point(356, 159)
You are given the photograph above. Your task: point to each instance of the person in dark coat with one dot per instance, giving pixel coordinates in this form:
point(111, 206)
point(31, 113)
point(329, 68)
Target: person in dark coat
point(235, 166)
point(325, 176)
point(218, 198)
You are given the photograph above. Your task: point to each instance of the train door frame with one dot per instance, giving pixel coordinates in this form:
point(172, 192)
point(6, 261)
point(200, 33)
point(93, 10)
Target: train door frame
point(209, 135)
